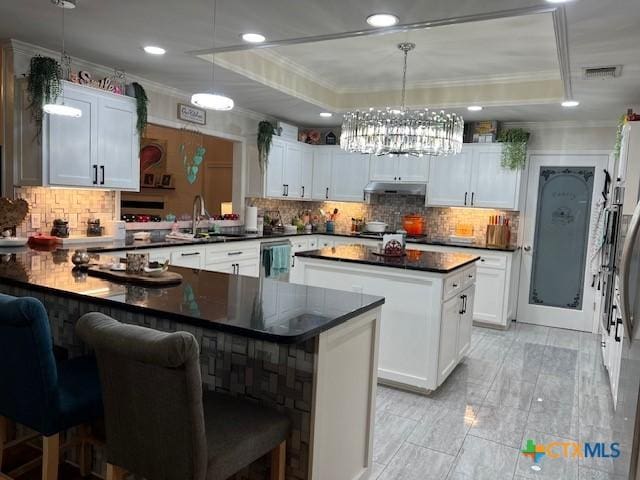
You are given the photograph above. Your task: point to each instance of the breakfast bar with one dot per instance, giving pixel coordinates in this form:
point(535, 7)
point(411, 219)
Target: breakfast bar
point(309, 352)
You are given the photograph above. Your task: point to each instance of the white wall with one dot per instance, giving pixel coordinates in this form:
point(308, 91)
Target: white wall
point(568, 136)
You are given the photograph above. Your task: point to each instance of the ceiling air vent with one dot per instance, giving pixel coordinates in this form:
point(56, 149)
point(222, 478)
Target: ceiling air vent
point(602, 73)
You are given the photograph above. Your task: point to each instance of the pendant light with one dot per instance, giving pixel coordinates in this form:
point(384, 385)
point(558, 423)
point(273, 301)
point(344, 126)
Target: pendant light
point(212, 100)
point(60, 108)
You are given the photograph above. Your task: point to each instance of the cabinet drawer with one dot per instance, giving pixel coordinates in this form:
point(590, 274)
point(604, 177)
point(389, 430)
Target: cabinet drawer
point(326, 243)
point(313, 243)
point(188, 257)
point(493, 261)
point(468, 277)
point(452, 285)
point(299, 245)
point(232, 252)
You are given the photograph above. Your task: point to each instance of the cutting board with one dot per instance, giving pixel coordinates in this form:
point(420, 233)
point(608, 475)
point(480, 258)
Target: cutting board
point(168, 278)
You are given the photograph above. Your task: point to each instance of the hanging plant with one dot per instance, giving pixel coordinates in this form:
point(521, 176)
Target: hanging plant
point(265, 135)
point(514, 152)
point(43, 85)
point(141, 106)
point(616, 149)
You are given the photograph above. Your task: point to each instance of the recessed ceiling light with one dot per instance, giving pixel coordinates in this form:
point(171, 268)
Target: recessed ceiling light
point(474, 108)
point(558, 1)
point(570, 103)
point(151, 50)
point(253, 37)
point(382, 20)
point(326, 114)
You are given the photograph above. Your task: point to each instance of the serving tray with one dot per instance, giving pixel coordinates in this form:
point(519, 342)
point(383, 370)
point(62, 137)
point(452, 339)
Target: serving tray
point(168, 278)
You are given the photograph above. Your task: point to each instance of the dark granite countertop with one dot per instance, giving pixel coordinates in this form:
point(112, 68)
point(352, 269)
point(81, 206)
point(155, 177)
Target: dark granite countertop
point(437, 262)
point(135, 245)
point(258, 308)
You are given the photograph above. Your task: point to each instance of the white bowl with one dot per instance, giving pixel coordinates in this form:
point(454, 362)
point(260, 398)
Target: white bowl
point(155, 272)
point(376, 227)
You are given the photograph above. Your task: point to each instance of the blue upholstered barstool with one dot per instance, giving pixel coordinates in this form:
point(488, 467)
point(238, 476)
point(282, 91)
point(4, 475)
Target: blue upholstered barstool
point(35, 391)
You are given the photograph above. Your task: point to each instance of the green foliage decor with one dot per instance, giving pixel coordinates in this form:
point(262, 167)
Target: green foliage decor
point(265, 136)
point(43, 84)
point(618, 145)
point(142, 103)
point(514, 152)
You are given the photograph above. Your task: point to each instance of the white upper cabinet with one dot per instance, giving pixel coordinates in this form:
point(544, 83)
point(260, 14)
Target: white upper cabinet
point(118, 144)
point(449, 180)
point(99, 149)
point(275, 181)
point(306, 172)
point(292, 170)
point(399, 169)
point(321, 173)
point(473, 178)
point(349, 176)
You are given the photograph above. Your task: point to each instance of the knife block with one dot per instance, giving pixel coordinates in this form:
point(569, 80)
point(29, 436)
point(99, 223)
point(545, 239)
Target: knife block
point(498, 236)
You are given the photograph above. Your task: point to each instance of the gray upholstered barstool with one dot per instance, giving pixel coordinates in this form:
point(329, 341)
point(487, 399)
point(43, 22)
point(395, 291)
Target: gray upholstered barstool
point(159, 425)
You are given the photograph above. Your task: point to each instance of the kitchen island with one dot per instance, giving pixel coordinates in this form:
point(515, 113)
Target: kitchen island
point(309, 352)
point(428, 311)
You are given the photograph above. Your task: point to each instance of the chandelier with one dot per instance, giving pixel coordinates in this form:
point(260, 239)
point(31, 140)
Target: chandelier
point(402, 131)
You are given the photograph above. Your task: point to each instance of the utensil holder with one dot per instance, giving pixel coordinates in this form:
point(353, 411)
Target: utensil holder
point(498, 236)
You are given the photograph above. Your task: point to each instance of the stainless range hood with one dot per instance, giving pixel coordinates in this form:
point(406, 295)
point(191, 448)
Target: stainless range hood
point(397, 188)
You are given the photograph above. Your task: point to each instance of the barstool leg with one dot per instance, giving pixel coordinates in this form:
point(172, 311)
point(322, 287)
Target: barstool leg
point(50, 457)
point(278, 461)
point(114, 472)
point(4, 431)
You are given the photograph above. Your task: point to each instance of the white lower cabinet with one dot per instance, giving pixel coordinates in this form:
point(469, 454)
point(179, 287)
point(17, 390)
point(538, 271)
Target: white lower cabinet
point(448, 347)
point(189, 257)
point(466, 321)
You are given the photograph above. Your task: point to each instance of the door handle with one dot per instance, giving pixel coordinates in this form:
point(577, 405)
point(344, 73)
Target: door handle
point(302, 191)
point(237, 269)
point(473, 194)
point(616, 336)
point(189, 254)
point(465, 198)
point(326, 195)
point(287, 190)
point(95, 174)
point(102, 171)
point(284, 190)
point(464, 304)
point(234, 253)
point(527, 248)
point(293, 261)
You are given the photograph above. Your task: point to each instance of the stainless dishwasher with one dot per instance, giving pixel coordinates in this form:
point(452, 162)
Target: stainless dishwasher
point(267, 269)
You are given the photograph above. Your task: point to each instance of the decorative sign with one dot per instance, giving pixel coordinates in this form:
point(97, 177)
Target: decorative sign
point(192, 114)
point(330, 138)
point(110, 84)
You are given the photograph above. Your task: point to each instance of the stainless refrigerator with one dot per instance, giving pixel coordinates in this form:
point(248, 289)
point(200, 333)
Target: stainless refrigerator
point(621, 302)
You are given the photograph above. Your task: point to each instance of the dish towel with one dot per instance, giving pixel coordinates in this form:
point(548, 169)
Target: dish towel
point(280, 258)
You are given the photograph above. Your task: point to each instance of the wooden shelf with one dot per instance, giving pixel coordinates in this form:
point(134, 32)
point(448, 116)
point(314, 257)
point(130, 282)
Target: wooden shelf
point(157, 187)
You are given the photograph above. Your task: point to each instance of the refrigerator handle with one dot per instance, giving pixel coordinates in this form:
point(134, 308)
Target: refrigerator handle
point(625, 267)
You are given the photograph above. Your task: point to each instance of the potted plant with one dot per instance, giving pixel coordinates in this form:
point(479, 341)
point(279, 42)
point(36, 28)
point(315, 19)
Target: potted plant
point(265, 135)
point(514, 152)
point(43, 84)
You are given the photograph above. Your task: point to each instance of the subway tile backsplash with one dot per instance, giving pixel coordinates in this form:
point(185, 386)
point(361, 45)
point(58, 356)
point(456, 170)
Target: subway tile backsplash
point(74, 205)
point(440, 223)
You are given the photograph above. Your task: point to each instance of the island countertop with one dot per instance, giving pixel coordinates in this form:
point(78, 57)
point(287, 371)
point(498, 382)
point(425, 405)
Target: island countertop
point(436, 262)
point(263, 309)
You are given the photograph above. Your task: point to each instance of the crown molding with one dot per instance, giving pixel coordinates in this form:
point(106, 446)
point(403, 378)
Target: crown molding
point(294, 67)
point(546, 125)
point(29, 50)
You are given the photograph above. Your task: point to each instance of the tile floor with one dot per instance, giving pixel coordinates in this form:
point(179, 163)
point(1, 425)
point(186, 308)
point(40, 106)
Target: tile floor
point(528, 382)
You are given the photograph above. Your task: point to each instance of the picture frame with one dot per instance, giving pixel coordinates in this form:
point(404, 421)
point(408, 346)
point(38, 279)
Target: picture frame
point(166, 180)
point(148, 179)
point(191, 114)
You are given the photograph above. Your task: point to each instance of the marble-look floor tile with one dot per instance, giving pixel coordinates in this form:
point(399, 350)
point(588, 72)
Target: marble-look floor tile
point(555, 389)
point(390, 433)
point(550, 468)
point(481, 459)
point(524, 359)
point(532, 333)
point(555, 418)
point(596, 411)
point(375, 471)
point(560, 362)
point(417, 463)
point(504, 425)
point(510, 390)
point(443, 429)
point(460, 394)
point(605, 435)
point(475, 370)
point(590, 474)
point(404, 404)
point(594, 379)
point(564, 338)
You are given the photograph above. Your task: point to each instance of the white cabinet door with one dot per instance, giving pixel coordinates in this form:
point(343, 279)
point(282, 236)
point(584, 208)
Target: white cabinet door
point(449, 179)
point(490, 287)
point(493, 186)
point(350, 174)
point(275, 184)
point(221, 267)
point(448, 349)
point(321, 173)
point(118, 144)
point(188, 257)
point(412, 169)
point(291, 171)
point(248, 268)
point(72, 142)
point(466, 322)
point(306, 172)
point(384, 168)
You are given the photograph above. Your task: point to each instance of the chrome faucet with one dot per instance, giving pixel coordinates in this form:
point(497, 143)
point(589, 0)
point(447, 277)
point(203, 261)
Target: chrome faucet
point(198, 212)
